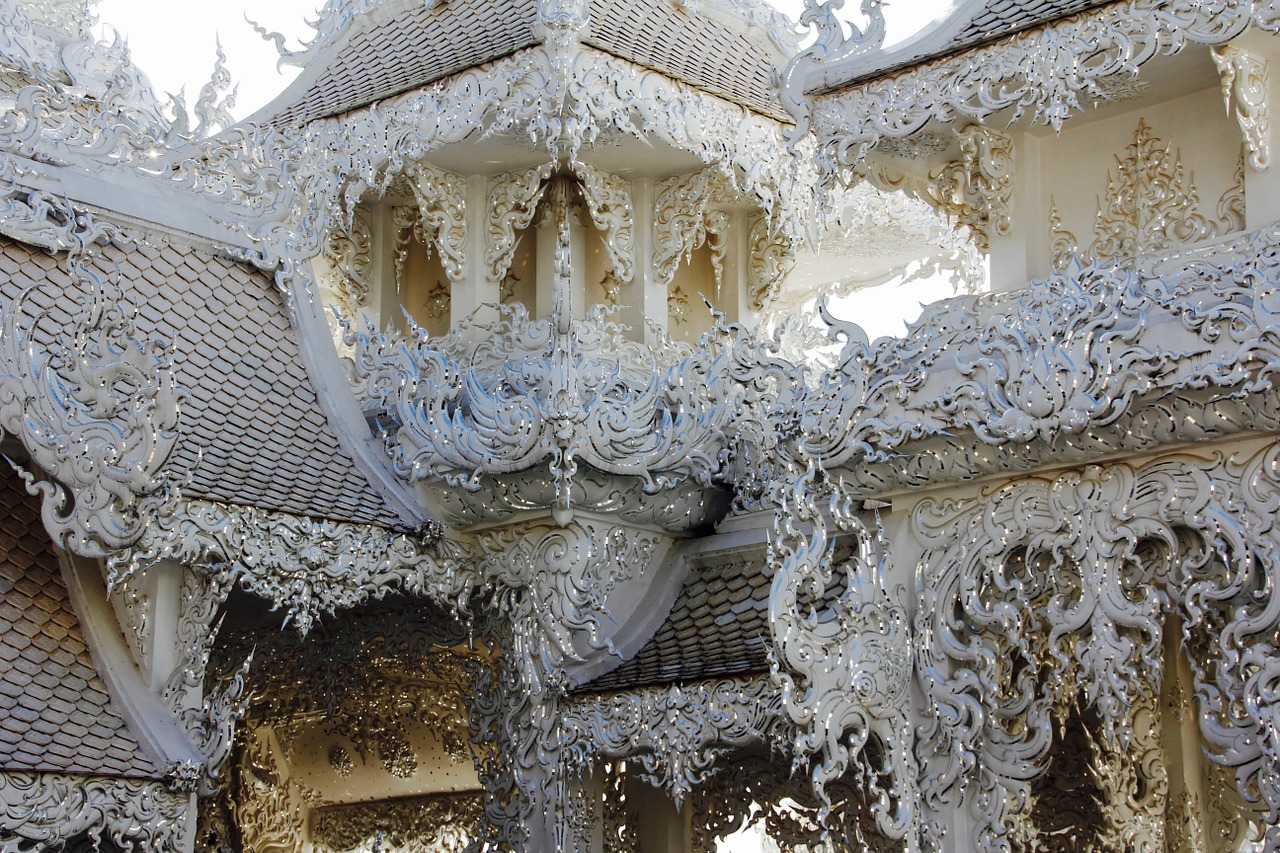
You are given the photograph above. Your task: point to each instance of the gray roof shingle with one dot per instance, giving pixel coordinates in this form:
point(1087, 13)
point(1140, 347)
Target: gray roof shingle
point(55, 713)
point(251, 417)
point(378, 57)
point(719, 626)
point(1001, 18)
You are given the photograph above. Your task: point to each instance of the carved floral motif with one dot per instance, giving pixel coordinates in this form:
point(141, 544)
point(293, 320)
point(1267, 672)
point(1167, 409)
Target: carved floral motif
point(1152, 207)
point(1036, 73)
point(442, 823)
point(46, 810)
point(673, 737)
point(843, 647)
point(1246, 81)
point(270, 809)
point(1047, 589)
point(303, 566)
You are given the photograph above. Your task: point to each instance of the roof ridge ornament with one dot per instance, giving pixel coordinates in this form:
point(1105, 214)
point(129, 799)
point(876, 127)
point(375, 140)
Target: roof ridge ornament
point(330, 23)
point(833, 46)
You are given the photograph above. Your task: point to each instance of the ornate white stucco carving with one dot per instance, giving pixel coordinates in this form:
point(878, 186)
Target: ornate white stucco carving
point(513, 202)
point(1134, 781)
point(442, 208)
point(754, 791)
point(1246, 82)
point(832, 48)
point(1152, 206)
point(1045, 590)
point(1063, 361)
point(98, 413)
point(773, 256)
point(443, 823)
point(348, 252)
point(673, 737)
point(134, 611)
point(557, 391)
point(553, 582)
point(46, 810)
point(83, 101)
point(303, 191)
point(683, 222)
point(978, 189)
point(843, 646)
point(608, 199)
point(1038, 72)
point(302, 566)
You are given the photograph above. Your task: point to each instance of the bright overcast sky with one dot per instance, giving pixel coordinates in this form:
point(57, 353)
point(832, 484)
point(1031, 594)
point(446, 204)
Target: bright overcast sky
point(174, 43)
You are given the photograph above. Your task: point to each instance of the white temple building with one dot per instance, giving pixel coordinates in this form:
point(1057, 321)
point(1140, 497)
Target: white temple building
point(480, 447)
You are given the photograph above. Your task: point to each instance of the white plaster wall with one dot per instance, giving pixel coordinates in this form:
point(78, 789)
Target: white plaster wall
point(1075, 164)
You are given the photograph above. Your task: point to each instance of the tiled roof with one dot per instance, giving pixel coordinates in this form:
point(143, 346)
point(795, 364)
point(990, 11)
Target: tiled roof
point(251, 412)
point(694, 48)
point(55, 713)
point(428, 42)
point(1003, 17)
point(993, 20)
point(719, 626)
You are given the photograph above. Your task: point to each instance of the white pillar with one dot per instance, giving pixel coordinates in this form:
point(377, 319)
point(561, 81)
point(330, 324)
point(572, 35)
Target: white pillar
point(476, 288)
point(644, 294)
point(1023, 253)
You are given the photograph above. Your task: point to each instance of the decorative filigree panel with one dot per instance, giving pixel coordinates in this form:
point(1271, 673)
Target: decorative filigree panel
point(1087, 360)
point(978, 189)
point(348, 252)
point(772, 257)
point(1246, 82)
point(303, 566)
point(843, 649)
point(1152, 207)
point(608, 199)
point(46, 810)
point(442, 208)
point(1038, 73)
point(1046, 590)
point(542, 392)
point(442, 823)
point(553, 582)
point(513, 202)
point(684, 221)
point(674, 738)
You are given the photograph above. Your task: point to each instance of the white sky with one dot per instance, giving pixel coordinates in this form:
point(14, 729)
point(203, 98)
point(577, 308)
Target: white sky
point(175, 42)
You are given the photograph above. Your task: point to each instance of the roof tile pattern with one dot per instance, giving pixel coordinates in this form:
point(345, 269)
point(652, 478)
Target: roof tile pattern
point(55, 713)
point(696, 49)
point(1004, 17)
point(251, 412)
point(719, 626)
point(427, 43)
